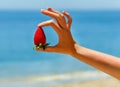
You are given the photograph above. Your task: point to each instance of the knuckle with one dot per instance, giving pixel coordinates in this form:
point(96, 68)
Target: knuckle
point(68, 14)
point(61, 15)
point(52, 21)
point(58, 15)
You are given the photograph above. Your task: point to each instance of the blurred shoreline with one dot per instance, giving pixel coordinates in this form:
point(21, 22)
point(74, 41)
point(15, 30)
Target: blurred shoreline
point(56, 80)
point(108, 82)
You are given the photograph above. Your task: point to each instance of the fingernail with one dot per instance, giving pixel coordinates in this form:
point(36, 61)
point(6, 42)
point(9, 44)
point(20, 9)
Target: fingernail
point(63, 11)
point(49, 8)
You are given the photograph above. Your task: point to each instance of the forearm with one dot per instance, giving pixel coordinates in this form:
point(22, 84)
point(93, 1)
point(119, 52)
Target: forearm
point(107, 63)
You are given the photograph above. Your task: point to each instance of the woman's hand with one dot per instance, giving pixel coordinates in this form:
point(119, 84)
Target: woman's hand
point(62, 27)
point(66, 45)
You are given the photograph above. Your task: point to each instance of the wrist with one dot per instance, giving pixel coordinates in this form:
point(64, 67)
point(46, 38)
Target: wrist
point(76, 50)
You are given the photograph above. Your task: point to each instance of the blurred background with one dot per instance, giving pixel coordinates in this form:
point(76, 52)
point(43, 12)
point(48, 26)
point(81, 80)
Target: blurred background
point(96, 25)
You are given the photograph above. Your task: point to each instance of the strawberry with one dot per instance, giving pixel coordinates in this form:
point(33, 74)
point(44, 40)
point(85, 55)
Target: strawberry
point(40, 39)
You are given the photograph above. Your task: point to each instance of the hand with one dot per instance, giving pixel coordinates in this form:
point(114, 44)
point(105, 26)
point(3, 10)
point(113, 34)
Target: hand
point(67, 45)
point(62, 27)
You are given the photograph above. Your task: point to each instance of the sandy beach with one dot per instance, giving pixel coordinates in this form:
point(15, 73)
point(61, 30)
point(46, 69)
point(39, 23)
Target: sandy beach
point(108, 82)
point(76, 79)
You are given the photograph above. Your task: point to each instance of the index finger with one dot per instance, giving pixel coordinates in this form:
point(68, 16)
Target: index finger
point(49, 13)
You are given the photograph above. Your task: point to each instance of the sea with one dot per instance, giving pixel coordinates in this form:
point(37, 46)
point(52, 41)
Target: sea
point(21, 66)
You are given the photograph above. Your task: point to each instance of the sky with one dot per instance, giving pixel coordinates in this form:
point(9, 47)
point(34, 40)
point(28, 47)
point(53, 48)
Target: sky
point(60, 4)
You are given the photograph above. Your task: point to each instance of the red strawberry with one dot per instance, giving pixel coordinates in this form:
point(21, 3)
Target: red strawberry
point(40, 38)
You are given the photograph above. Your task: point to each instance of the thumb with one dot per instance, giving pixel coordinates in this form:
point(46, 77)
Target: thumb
point(48, 49)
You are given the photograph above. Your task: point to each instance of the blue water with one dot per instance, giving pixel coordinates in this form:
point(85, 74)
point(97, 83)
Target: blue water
point(98, 30)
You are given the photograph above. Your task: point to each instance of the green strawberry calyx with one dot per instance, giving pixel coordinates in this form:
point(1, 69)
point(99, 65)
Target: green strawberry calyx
point(42, 46)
